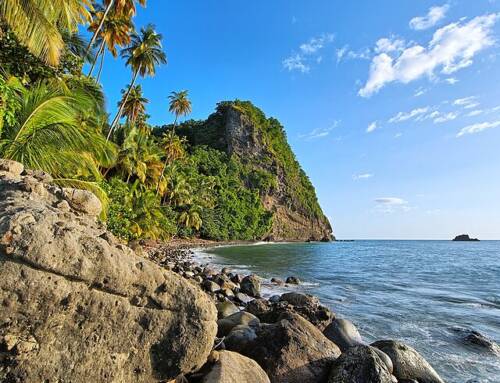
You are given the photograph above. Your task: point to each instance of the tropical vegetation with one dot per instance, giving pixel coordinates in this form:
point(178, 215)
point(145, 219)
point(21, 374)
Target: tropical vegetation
point(156, 182)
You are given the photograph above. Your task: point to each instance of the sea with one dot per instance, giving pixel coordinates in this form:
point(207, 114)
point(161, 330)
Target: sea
point(428, 294)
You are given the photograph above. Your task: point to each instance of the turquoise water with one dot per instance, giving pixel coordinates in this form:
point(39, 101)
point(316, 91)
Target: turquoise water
point(419, 292)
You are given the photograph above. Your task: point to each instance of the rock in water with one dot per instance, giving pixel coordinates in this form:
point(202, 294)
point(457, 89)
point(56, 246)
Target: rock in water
point(76, 306)
point(292, 351)
point(343, 333)
point(231, 367)
point(360, 364)
point(408, 363)
point(250, 285)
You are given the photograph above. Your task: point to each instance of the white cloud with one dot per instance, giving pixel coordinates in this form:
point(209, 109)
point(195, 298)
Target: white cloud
point(465, 101)
point(362, 176)
point(474, 113)
point(404, 116)
point(387, 45)
point(391, 204)
point(452, 48)
point(451, 80)
point(319, 132)
point(308, 54)
point(420, 91)
point(397, 135)
point(445, 117)
point(434, 15)
point(476, 128)
point(371, 127)
point(345, 53)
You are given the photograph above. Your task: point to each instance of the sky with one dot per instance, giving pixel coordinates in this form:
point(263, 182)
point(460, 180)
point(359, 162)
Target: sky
point(392, 107)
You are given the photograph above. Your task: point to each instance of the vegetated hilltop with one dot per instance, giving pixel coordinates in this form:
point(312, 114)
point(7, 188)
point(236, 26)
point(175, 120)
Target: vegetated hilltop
point(257, 148)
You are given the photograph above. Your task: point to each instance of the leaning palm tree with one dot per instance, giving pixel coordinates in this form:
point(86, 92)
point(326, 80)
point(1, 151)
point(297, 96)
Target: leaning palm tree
point(143, 55)
point(135, 105)
point(180, 105)
point(173, 147)
point(47, 132)
point(114, 32)
point(36, 23)
point(122, 7)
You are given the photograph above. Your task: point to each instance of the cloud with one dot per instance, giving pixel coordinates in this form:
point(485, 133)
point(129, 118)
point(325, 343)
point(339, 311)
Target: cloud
point(445, 117)
point(476, 128)
point(451, 80)
point(398, 135)
point(434, 15)
point(474, 113)
point(402, 116)
point(362, 176)
point(345, 53)
point(391, 204)
point(319, 132)
point(467, 102)
point(420, 91)
point(371, 127)
point(387, 45)
point(308, 54)
point(452, 48)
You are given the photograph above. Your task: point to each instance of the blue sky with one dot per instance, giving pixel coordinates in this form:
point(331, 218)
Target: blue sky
point(392, 107)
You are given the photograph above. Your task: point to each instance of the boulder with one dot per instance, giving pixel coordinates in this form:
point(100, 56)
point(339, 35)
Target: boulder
point(79, 308)
point(225, 309)
point(12, 167)
point(292, 350)
point(83, 201)
point(239, 338)
point(293, 280)
point(297, 299)
point(360, 364)
point(240, 318)
point(230, 367)
point(277, 281)
point(210, 286)
point(408, 363)
point(250, 285)
point(343, 333)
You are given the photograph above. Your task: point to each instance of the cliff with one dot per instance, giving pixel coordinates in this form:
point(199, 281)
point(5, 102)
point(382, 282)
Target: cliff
point(243, 132)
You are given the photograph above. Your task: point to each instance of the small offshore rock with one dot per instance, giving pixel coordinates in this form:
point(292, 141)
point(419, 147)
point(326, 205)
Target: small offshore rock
point(250, 285)
point(343, 333)
point(408, 363)
point(360, 364)
point(277, 281)
point(293, 280)
point(230, 367)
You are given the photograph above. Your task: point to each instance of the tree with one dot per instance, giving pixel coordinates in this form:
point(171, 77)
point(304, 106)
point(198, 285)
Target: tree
point(180, 105)
point(115, 31)
point(143, 55)
point(47, 132)
point(122, 7)
point(37, 23)
point(135, 105)
point(173, 146)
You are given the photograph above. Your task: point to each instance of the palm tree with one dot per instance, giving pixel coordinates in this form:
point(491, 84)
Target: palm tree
point(143, 55)
point(114, 32)
point(47, 132)
point(37, 23)
point(173, 146)
point(122, 7)
point(191, 218)
point(180, 105)
point(135, 105)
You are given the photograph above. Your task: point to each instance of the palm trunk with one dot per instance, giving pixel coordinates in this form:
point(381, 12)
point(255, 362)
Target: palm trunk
point(101, 23)
point(166, 160)
point(101, 65)
point(122, 104)
point(99, 52)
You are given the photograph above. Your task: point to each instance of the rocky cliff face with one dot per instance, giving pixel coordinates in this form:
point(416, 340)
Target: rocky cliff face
point(77, 305)
point(260, 143)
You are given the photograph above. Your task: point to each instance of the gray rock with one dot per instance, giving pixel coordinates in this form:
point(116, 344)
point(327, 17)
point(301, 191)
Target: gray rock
point(298, 299)
point(12, 167)
point(243, 298)
point(230, 367)
point(343, 333)
point(83, 200)
point(77, 308)
point(360, 364)
point(240, 318)
point(277, 281)
point(239, 338)
point(292, 350)
point(250, 285)
point(210, 286)
point(225, 309)
point(408, 363)
point(293, 280)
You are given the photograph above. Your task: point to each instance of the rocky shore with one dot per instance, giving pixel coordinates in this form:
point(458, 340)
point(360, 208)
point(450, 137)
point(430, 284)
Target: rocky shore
point(77, 305)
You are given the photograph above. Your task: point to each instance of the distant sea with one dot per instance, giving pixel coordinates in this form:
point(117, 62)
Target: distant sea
point(427, 294)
